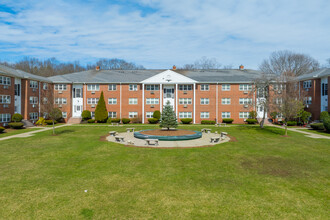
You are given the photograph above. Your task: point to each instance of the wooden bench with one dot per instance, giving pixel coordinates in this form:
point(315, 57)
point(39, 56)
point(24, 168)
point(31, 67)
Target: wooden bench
point(215, 139)
point(208, 131)
point(130, 130)
point(112, 133)
point(119, 139)
point(151, 142)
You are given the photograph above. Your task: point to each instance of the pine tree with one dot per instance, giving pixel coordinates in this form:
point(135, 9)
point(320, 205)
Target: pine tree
point(168, 119)
point(101, 113)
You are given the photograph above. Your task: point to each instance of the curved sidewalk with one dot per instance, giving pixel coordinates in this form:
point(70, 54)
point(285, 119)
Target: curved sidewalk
point(307, 134)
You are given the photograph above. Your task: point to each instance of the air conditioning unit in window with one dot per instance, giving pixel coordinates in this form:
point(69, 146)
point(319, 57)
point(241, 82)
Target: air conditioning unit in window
point(306, 89)
point(33, 106)
point(185, 106)
point(152, 92)
point(246, 92)
point(185, 92)
point(60, 91)
point(93, 106)
point(93, 92)
point(5, 87)
point(152, 106)
point(246, 106)
point(60, 106)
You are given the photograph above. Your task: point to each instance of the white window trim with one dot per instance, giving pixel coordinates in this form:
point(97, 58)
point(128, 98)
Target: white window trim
point(113, 102)
point(131, 101)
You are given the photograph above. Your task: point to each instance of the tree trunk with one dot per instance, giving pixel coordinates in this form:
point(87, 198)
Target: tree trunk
point(263, 120)
point(53, 128)
point(286, 130)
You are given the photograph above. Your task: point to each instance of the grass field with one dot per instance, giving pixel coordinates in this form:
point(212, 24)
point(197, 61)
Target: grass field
point(316, 132)
point(261, 175)
point(10, 132)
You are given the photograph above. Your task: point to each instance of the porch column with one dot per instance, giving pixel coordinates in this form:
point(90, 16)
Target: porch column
point(120, 100)
point(194, 85)
point(216, 105)
point(161, 97)
point(142, 103)
point(176, 100)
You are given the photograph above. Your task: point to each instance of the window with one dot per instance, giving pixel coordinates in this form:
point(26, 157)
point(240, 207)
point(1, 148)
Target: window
point(4, 80)
point(205, 114)
point(278, 87)
point(133, 101)
point(5, 117)
point(245, 87)
point(112, 114)
point(278, 101)
point(185, 101)
point(92, 101)
point(205, 101)
point(33, 100)
point(151, 101)
point(307, 84)
point(112, 87)
point(225, 87)
point(33, 84)
point(205, 87)
point(45, 86)
point(133, 87)
point(17, 89)
point(112, 101)
point(225, 101)
point(64, 115)
point(244, 114)
point(324, 89)
point(4, 99)
point(245, 101)
point(33, 116)
point(149, 114)
point(185, 115)
point(45, 100)
point(60, 101)
point(152, 87)
point(93, 114)
point(225, 114)
point(93, 87)
point(308, 100)
point(60, 87)
point(185, 87)
point(132, 114)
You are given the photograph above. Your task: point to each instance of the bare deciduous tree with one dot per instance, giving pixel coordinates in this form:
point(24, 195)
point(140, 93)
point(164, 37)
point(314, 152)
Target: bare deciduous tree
point(117, 64)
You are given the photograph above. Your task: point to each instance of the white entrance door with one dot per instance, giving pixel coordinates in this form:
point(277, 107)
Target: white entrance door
point(18, 95)
point(169, 95)
point(77, 100)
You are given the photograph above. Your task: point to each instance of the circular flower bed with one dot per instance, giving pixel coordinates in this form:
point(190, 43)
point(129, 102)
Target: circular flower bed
point(168, 135)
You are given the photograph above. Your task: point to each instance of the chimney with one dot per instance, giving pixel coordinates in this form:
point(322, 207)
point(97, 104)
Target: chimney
point(174, 67)
point(241, 67)
point(97, 68)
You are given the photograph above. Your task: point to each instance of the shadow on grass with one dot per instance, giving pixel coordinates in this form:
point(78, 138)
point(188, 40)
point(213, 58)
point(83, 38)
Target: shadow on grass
point(64, 131)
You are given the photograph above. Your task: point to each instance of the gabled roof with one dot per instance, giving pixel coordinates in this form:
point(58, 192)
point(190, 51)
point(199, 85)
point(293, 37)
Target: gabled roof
point(317, 74)
point(4, 70)
point(168, 77)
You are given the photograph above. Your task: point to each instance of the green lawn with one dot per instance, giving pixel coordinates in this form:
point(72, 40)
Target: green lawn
point(10, 132)
point(262, 175)
point(316, 132)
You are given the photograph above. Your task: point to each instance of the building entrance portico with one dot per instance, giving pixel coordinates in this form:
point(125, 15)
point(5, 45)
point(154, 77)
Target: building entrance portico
point(169, 95)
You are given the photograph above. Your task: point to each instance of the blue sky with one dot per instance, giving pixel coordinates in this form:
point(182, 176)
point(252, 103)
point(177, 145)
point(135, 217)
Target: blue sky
point(159, 34)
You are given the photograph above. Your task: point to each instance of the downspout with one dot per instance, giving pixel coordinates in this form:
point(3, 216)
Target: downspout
point(216, 106)
point(120, 100)
point(194, 103)
point(143, 103)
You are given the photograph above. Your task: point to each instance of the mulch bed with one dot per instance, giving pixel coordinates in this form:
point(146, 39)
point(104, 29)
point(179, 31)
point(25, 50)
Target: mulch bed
point(232, 138)
point(104, 138)
point(167, 133)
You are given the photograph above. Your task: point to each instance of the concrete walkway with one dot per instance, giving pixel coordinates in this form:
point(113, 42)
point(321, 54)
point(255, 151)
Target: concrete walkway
point(307, 134)
point(31, 133)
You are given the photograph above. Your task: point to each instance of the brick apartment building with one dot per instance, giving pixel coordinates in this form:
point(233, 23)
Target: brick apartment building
point(197, 94)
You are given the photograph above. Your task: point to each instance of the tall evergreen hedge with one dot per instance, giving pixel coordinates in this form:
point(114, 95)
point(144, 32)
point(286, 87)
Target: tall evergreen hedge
point(101, 113)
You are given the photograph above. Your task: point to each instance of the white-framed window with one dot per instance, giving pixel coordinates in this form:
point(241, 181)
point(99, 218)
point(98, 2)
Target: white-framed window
point(225, 87)
point(132, 114)
point(278, 101)
point(60, 87)
point(245, 87)
point(112, 87)
point(152, 101)
point(205, 87)
point(93, 114)
point(5, 117)
point(185, 101)
point(112, 114)
point(245, 101)
point(92, 101)
point(133, 101)
point(185, 87)
point(45, 86)
point(60, 101)
point(152, 87)
point(225, 101)
point(205, 101)
point(225, 114)
point(93, 87)
point(149, 114)
point(33, 115)
point(278, 87)
point(185, 115)
point(4, 80)
point(308, 100)
point(45, 100)
point(5, 99)
point(112, 101)
point(64, 114)
point(307, 84)
point(33, 100)
point(205, 114)
point(133, 87)
point(33, 84)
point(244, 114)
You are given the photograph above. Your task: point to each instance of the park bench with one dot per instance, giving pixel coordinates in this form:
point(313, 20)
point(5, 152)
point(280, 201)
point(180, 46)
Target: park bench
point(151, 142)
point(119, 139)
point(224, 134)
point(112, 133)
point(215, 139)
point(130, 129)
point(208, 131)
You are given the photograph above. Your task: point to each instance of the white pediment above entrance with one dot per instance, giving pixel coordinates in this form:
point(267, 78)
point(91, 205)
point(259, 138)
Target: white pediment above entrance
point(169, 77)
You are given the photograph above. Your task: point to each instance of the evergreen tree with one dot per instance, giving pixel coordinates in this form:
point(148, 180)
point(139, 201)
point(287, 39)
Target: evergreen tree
point(101, 113)
point(168, 119)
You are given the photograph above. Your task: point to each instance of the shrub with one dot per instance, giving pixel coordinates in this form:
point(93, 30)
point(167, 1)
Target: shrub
point(126, 120)
point(186, 120)
point(17, 117)
point(291, 123)
point(2, 129)
point(16, 125)
point(136, 120)
point(109, 120)
point(157, 115)
point(115, 120)
point(227, 120)
point(251, 121)
point(305, 116)
point(153, 120)
point(91, 120)
point(324, 115)
point(317, 126)
point(253, 114)
point(85, 115)
point(273, 115)
point(41, 121)
point(207, 122)
point(101, 113)
point(50, 122)
point(326, 123)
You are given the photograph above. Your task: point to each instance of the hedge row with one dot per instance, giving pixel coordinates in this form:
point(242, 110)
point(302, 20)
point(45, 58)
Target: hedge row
point(186, 120)
point(317, 126)
point(2, 129)
point(207, 122)
point(227, 120)
point(251, 121)
point(16, 125)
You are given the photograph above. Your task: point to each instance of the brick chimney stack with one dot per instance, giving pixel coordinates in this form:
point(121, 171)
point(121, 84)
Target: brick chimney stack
point(241, 67)
point(97, 68)
point(174, 67)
